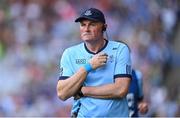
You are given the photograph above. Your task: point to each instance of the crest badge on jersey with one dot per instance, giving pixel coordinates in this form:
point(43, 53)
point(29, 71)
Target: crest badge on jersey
point(111, 58)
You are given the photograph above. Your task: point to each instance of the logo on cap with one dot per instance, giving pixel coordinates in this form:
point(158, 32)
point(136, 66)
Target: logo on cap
point(88, 13)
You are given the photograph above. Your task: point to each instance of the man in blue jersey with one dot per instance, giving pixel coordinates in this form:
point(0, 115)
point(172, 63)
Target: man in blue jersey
point(135, 95)
point(98, 70)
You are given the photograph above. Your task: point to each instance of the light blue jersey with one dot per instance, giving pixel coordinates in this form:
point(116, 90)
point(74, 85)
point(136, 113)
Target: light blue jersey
point(118, 65)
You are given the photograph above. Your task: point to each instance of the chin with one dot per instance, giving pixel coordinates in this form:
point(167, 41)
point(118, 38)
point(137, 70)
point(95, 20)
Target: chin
point(87, 39)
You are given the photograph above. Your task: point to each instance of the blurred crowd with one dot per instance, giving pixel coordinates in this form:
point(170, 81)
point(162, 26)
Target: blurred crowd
point(34, 34)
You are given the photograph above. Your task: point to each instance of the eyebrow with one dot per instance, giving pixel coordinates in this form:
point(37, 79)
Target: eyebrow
point(89, 22)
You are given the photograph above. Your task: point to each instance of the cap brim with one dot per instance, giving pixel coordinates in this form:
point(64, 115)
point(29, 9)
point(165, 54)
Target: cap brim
point(84, 17)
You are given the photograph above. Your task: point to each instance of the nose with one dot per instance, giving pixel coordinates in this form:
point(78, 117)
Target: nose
point(86, 28)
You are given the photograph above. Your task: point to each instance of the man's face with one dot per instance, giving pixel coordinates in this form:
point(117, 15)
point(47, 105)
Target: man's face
point(90, 30)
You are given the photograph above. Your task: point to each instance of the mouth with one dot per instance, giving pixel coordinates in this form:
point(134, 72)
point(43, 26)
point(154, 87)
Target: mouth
point(86, 34)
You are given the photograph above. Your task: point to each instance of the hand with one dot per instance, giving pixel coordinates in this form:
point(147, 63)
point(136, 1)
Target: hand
point(79, 94)
point(98, 60)
point(76, 97)
point(143, 107)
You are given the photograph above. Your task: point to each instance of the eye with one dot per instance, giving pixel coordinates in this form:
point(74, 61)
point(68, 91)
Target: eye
point(82, 24)
point(93, 24)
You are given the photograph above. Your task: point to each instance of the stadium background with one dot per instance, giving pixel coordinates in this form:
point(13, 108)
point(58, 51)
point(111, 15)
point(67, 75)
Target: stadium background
point(34, 33)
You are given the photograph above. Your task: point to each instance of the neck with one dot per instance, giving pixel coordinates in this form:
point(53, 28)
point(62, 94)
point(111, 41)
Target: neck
point(95, 46)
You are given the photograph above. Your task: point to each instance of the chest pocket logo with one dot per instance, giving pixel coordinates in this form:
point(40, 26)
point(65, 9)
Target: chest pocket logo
point(111, 58)
point(80, 61)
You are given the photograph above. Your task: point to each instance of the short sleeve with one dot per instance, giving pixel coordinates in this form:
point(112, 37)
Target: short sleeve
point(65, 66)
point(123, 63)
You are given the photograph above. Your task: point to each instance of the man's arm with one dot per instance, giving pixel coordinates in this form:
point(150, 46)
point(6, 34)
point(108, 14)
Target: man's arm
point(70, 86)
point(143, 107)
point(118, 89)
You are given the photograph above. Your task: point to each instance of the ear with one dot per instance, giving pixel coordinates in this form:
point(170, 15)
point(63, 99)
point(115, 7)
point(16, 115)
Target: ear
point(104, 27)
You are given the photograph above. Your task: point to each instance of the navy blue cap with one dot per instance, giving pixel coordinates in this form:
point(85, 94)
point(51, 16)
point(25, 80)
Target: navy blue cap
point(92, 14)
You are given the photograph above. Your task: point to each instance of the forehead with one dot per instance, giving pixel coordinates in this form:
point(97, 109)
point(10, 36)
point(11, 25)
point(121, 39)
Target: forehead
point(87, 21)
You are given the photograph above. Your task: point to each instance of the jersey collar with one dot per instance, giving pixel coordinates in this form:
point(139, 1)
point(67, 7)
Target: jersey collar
point(97, 51)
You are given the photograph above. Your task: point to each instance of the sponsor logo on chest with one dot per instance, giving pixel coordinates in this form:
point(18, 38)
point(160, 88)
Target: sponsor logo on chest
point(80, 61)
